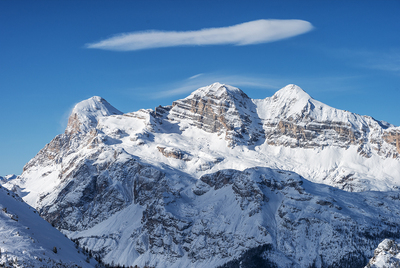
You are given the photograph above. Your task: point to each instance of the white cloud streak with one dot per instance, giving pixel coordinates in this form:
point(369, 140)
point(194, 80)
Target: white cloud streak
point(388, 61)
point(262, 86)
point(383, 60)
point(195, 76)
point(248, 33)
point(197, 81)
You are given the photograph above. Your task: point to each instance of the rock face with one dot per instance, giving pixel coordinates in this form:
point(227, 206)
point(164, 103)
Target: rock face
point(221, 109)
point(174, 153)
point(219, 179)
point(292, 118)
point(225, 216)
point(85, 201)
point(289, 118)
point(393, 138)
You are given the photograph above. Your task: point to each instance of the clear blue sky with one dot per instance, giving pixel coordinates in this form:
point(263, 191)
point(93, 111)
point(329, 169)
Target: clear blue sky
point(49, 60)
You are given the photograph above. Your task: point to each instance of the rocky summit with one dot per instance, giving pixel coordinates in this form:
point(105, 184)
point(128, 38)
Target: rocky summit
point(219, 179)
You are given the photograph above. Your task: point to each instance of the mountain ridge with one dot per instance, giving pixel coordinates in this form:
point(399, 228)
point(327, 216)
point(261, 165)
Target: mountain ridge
point(162, 168)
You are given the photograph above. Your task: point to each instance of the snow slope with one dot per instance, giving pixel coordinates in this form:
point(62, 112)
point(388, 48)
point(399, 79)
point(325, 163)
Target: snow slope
point(27, 240)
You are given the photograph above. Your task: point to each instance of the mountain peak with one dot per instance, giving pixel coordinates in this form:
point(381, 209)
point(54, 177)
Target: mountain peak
point(94, 103)
point(86, 113)
point(292, 91)
point(220, 108)
point(217, 90)
point(289, 101)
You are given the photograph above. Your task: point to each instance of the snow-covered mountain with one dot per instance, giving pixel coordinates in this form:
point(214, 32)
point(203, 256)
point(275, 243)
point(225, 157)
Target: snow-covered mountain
point(30, 241)
point(7, 178)
point(218, 178)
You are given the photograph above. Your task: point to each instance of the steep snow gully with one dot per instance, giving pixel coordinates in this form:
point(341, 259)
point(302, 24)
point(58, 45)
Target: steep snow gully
point(221, 180)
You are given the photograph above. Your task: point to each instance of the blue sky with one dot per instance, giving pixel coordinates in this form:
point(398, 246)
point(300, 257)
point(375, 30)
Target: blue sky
point(57, 53)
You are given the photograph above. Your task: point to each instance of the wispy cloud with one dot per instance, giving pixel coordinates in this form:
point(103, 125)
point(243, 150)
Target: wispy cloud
point(388, 60)
point(248, 33)
point(261, 86)
point(192, 83)
point(195, 76)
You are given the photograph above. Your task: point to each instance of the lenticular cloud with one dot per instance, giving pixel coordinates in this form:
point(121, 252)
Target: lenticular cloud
point(248, 33)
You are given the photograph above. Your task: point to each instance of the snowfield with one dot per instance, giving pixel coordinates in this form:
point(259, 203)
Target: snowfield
point(27, 240)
